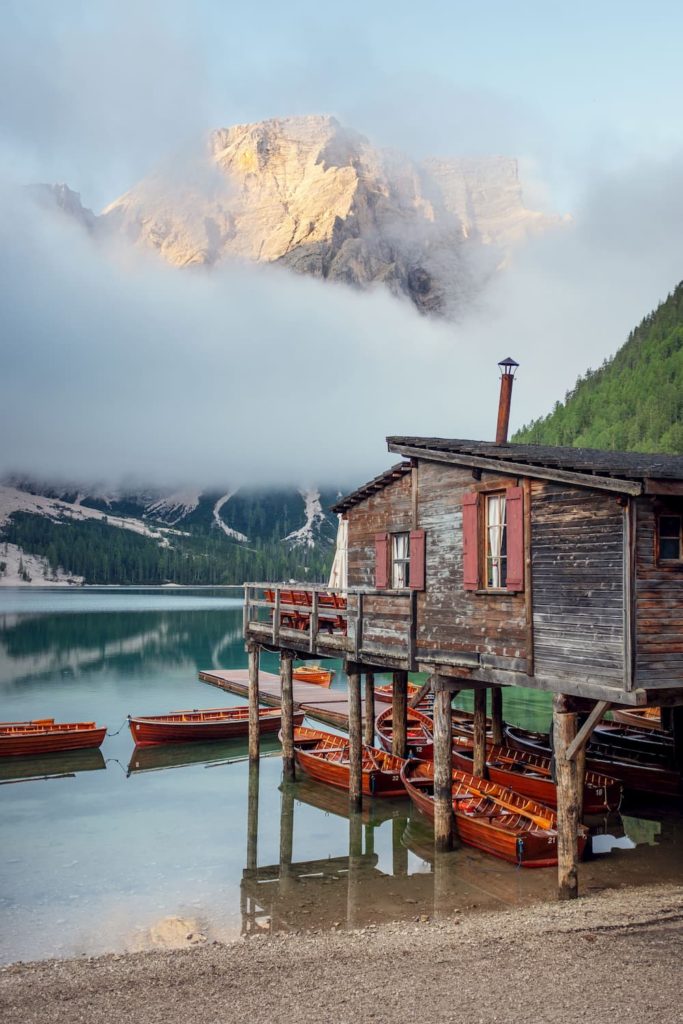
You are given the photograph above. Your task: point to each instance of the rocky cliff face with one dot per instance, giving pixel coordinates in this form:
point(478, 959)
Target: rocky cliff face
point(318, 198)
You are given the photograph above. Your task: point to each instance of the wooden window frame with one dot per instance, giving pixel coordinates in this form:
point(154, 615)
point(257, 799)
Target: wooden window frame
point(392, 561)
point(483, 530)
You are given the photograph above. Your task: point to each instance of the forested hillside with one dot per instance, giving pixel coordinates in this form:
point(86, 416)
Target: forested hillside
point(634, 401)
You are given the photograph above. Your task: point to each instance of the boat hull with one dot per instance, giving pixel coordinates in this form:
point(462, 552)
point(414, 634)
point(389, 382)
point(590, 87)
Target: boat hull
point(320, 677)
point(419, 734)
point(324, 757)
point(176, 728)
point(29, 740)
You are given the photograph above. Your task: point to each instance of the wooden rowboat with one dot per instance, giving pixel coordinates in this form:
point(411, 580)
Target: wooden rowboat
point(19, 739)
point(419, 733)
point(657, 746)
point(634, 771)
point(641, 718)
point(492, 818)
point(325, 757)
point(203, 726)
point(385, 694)
point(531, 775)
point(313, 674)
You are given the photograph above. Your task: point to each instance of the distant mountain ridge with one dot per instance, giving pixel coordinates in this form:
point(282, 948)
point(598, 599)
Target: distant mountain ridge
point(634, 401)
point(319, 199)
point(80, 535)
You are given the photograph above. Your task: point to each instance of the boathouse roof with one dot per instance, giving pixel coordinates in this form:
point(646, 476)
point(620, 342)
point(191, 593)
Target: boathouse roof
point(623, 472)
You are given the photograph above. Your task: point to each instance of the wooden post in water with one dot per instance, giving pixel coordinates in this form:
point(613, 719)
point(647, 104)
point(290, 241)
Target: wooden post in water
point(286, 836)
point(369, 730)
point(564, 731)
point(287, 697)
point(254, 724)
point(355, 738)
point(252, 817)
point(443, 766)
point(479, 738)
point(353, 894)
point(399, 708)
point(497, 723)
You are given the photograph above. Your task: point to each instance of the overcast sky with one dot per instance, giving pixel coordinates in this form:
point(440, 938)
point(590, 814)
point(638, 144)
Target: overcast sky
point(96, 94)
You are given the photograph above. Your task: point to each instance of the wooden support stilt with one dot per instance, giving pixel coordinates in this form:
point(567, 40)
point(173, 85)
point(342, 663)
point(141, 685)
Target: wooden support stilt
point(443, 768)
point(254, 725)
point(252, 817)
point(564, 732)
point(287, 715)
point(369, 720)
point(497, 724)
point(399, 713)
point(479, 733)
point(355, 738)
point(286, 835)
point(421, 694)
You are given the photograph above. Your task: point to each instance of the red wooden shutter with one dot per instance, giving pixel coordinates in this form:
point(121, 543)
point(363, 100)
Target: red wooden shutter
point(470, 541)
point(514, 516)
point(381, 560)
point(417, 560)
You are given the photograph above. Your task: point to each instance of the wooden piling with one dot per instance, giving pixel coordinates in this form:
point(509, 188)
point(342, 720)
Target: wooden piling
point(287, 715)
point(252, 817)
point(286, 836)
point(497, 724)
point(443, 768)
point(479, 733)
point(369, 721)
point(355, 738)
point(677, 732)
point(254, 725)
point(399, 713)
point(564, 731)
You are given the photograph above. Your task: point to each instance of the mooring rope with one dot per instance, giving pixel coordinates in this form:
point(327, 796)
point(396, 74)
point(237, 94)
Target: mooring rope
point(124, 723)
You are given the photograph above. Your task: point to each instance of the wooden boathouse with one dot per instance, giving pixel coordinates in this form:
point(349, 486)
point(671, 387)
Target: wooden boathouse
point(490, 565)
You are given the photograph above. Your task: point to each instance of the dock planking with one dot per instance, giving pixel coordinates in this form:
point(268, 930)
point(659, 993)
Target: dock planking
point(323, 705)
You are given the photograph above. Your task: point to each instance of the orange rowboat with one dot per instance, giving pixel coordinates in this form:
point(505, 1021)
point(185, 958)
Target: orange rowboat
point(531, 775)
point(48, 737)
point(419, 733)
point(385, 694)
point(492, 818)
point(641, 718)
point(203, 726)
point(313, 674)
point(325, 757)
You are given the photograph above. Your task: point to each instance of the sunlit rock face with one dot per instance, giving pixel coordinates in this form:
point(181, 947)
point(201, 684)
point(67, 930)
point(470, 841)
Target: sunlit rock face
point(317, 198)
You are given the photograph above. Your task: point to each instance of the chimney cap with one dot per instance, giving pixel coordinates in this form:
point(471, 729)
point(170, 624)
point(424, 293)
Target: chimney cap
point(508, 365)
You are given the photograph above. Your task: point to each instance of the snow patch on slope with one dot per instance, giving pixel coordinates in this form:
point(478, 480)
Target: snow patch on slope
point(13, 500)
point(315, 517)
point(174, 507)
point(227, 530)
point(23, 570)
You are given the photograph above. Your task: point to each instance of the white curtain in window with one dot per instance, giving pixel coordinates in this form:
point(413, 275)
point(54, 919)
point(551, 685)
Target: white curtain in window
point(340, 566)
point(399, 557)
point(496, 520)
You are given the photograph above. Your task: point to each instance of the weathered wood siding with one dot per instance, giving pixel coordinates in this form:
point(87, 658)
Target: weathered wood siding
point(578, 586)
point(450, 619)
point(659, 607)
point(389, 509)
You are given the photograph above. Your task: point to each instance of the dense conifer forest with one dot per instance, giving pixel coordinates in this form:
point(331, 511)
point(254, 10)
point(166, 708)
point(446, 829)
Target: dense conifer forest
point(108, 555)
point(634, 401)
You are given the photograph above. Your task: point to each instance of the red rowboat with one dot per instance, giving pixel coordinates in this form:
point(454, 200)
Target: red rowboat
point(203, 726)
point(492, 818)
point(531, 775)
point(419, 733)
point(48, 737)
point(385, 694)
point(634, 771)
point(325, 757)
point(313, 674)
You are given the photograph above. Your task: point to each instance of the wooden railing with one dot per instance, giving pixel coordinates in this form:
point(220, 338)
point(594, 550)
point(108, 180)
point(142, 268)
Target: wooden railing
point(363, 623)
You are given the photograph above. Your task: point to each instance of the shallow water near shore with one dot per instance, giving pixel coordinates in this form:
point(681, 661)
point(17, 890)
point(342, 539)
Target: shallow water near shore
point(116, 850)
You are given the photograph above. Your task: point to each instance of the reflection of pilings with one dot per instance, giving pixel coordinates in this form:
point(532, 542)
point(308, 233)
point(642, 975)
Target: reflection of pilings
point(443, 867)
point(286, 835)
point(369, 840)
point(354, 902)
point(400, 852)
point(252, 817)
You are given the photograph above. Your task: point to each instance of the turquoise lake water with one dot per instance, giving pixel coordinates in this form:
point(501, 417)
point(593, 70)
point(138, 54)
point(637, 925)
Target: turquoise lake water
point(118, 850)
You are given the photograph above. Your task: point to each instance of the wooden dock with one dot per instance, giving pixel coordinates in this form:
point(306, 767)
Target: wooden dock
point(328, 706)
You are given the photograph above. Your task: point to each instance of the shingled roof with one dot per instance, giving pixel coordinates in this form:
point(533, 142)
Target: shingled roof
point(383, 480)
point(621, 465)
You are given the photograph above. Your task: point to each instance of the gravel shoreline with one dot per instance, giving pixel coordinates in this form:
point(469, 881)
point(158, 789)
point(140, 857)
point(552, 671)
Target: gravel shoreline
point(612, 956)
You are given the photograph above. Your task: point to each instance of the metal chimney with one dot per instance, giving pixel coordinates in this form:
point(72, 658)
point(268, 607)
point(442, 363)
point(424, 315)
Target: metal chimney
point(507, 375)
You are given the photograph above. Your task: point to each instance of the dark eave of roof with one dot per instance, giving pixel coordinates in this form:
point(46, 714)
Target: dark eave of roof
point(367, 490)
point(625, 466)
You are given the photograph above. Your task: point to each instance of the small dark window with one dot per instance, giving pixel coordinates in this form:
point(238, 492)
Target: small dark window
point(400, 560)
point(670, 541)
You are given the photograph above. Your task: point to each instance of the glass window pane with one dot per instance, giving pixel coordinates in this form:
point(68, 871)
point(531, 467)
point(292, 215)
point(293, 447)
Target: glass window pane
point(669, 547)
point(669, 526)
